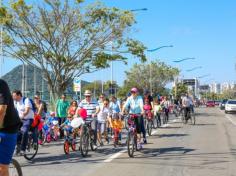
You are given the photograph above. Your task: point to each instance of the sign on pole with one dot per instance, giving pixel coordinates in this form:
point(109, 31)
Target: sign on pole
point(77, 84)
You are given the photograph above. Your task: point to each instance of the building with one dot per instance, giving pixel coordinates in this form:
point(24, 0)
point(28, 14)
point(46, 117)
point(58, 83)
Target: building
point(215, 88)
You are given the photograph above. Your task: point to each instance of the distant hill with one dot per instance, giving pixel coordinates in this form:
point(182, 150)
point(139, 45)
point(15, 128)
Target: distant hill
point(14, 80)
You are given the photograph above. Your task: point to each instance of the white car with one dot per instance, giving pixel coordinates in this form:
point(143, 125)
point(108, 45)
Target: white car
point(230, 106)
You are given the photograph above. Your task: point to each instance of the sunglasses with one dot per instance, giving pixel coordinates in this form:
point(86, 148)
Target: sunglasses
point(87, 96)
point(101, 97)
point(133, 92)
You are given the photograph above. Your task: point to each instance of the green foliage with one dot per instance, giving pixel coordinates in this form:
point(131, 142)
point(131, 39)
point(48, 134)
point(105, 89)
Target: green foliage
point(139, 76)
point(67, 41)
point(179, 90)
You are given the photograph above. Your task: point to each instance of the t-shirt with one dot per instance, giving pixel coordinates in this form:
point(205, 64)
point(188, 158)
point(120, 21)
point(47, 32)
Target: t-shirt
point(135, 104)
point(11, 120)
point(21, 107)
point(186, 102)
point(115, 106)
point(157, 109)
point(103, 114)
point(62, 107)
point(89, 106)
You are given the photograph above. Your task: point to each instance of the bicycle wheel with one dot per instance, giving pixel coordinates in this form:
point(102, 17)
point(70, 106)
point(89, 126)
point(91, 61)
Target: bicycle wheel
point(149, 127)
point(131, 144)
point(92, 140)
point(84, 143)
point(15, 168)
point(31, 149)
point(66, 147)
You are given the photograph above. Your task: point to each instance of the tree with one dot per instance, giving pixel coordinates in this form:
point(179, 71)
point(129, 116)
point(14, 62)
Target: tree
point(67, 40)
point(179, 89)
point(139, 76)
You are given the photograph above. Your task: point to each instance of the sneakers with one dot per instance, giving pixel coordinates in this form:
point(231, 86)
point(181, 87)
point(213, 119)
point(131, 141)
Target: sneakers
point(95, 147)
point(101, 144)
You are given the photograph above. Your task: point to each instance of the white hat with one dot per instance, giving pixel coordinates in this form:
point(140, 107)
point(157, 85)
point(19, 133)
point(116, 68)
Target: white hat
point(87, 93)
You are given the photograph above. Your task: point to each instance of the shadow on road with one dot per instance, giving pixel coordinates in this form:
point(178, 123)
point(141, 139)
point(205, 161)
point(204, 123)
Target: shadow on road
point(171, 135)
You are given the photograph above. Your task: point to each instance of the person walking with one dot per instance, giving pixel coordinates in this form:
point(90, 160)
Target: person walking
point(62, 106)
point(9, 126)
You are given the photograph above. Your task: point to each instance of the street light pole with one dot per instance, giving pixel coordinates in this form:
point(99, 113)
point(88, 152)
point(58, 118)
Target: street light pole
point(150, 66)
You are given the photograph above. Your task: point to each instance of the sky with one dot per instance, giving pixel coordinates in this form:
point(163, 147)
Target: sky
point(200, 29)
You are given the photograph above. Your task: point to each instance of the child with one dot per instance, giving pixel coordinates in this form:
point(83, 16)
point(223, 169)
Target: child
point(157, 111)
point(67, 126)
point(117, 125)
point(103, 112)
point(147, 108)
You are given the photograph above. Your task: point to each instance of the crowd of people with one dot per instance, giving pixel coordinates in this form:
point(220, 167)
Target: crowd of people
point(105, 114)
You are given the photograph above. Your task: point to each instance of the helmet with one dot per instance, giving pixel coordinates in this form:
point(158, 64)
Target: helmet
point(134, 89)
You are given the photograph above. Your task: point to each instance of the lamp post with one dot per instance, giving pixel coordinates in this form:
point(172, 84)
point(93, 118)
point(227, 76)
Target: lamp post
point(150, 69)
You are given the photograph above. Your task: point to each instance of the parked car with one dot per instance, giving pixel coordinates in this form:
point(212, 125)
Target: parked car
point(210, 104)
point(230, 106)
point(222, 104)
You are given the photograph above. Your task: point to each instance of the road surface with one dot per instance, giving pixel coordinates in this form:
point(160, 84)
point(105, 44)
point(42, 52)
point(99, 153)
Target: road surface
point(208, 148)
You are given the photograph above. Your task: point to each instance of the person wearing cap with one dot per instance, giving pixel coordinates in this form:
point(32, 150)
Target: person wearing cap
point(135, 105)
point(92, 109)
point(62, 106)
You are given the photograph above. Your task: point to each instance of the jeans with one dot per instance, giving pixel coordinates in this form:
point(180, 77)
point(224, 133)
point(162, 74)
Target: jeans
point(22, 138)
point(61, 120)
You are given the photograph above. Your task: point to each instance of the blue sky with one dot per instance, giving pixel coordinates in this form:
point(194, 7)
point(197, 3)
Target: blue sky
point(203, 29)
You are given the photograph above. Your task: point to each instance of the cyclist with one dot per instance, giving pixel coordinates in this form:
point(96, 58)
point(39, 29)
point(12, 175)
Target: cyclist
point(186, 103)
point(92, 109)
point(25, 110)
point(135, 105)
point(9, 126)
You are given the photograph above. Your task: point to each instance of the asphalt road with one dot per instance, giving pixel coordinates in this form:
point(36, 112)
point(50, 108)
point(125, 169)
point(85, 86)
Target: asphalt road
point(207, 148)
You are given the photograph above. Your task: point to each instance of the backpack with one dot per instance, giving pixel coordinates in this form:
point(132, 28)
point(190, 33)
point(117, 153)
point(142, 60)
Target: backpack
point(32, 103)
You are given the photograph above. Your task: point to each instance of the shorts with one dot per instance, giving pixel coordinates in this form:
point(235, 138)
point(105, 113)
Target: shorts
point(101, 126)
point(7, 147)
point(138, 123)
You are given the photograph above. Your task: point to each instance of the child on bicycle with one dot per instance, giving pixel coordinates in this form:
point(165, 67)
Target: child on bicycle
point(116, 125)
point(67, 126)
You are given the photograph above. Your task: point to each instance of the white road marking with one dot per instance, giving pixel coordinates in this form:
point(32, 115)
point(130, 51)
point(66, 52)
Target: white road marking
point(112, 157)
point(116, 155)
point(231, 120)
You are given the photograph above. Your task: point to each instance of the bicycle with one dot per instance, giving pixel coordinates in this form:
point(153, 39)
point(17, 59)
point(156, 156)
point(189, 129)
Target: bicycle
point(132, 135)
point(69, 141)
point(31, 147)
point(15, 168)
point(87, 138)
